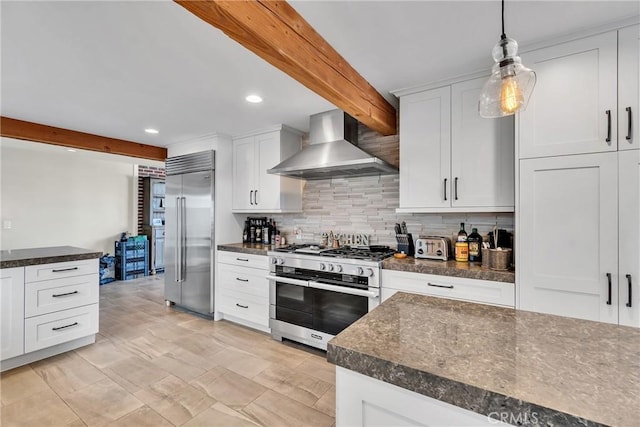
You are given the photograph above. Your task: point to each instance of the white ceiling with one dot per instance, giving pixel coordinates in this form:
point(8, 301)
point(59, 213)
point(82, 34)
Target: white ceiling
point(115, 68)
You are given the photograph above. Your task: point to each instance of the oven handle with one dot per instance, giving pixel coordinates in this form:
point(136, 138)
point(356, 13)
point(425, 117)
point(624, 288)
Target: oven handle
point(345, 290)
point(288, 281)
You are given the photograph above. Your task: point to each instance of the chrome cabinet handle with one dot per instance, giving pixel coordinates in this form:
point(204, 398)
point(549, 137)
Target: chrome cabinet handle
point(242, 280)
point(629, 115)
point(628, 276)
point(251, 197)
point(609, 294)
point(435, 285)
point(455, 187)
point(242, 306)
point(64, 327)
point(64, 269)
point(243, 259)
point(255, 197)
point(64, 295)
point(608, 113)
point(445, 189)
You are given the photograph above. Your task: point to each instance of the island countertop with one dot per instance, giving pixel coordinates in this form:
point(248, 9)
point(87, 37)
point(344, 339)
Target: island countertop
point(36, 256)
point(492, 359)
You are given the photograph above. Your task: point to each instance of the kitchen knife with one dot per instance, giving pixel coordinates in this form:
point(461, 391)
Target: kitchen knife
point(404, 227)
point(397, 228)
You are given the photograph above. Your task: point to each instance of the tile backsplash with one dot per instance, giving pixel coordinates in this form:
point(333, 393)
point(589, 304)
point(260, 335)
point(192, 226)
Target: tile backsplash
point(367, 205)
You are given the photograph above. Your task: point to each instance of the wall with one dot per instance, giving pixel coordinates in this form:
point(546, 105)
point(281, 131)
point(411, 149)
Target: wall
point(54, 197)
point(367, 205)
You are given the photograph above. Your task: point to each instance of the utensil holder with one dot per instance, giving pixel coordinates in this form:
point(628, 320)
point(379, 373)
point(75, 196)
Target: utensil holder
point(405, 244)
point(486, 257)
point(500, 259)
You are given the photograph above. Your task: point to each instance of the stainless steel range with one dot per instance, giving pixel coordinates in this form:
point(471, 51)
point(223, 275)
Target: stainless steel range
point(316, 292)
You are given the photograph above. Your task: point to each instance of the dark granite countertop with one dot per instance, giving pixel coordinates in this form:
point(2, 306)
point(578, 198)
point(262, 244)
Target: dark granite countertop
point(488, 359)
point(35, 256)
point(448, 268)
point(247, 248)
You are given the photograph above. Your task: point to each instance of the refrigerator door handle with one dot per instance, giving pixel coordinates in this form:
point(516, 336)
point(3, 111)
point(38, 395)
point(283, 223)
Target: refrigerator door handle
point(183, 237)
point(178, 240)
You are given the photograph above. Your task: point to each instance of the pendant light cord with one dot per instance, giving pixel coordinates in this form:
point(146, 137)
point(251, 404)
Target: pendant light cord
point(503, 34)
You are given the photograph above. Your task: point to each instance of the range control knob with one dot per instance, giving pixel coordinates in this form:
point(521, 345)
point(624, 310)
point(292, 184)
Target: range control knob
point(338, 268)
point(274, 261)
point(330, 267)
point(359, 271)
point(368, 272)
point(280, 261)
point(323, 266)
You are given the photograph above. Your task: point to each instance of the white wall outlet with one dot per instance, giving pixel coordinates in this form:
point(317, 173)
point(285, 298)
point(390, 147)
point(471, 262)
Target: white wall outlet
point(298, 232)
point(6, 224)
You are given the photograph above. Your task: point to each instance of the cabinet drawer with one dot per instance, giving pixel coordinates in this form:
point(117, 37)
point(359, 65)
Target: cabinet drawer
point(56, 328)
point(60, 294)
point(482, 291)
point(250, 281)
point(58, 270)
point(244, 260)
point(247, 307)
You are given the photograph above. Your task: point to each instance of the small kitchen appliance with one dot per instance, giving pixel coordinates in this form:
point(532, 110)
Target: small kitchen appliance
point(433, 247)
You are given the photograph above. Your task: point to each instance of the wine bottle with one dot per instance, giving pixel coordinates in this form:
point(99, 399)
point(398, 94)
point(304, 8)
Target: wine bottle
point(462, 245)
point(475, 245)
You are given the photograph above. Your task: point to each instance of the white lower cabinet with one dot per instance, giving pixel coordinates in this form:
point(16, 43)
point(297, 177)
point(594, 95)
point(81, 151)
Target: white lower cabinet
point(368, 402)
point(11, 312)
point(579, 236)
point(48, 309)
point(243, 289)
point(473, 290)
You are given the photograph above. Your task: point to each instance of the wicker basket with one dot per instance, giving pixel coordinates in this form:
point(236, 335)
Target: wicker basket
point(499, 259)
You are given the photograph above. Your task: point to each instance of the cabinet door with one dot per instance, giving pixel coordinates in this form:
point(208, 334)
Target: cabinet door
point(576, 86)
point(569, 236)
point(629, 239)
point(267, 185)
point(11, 312)
point(628, 87)
point(244, 165)
point(425, 149)
point(482, 152)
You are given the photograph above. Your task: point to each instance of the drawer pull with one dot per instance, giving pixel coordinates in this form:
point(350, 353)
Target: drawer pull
point(242, 306)
point(242, 259)
point(242, 280)
point(64, 295)
point(65, 327)
point(435, 285)
point(64, 269)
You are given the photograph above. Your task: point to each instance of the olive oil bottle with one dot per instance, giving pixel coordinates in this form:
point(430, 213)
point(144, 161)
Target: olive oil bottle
point(475, 245)
point(462, 245)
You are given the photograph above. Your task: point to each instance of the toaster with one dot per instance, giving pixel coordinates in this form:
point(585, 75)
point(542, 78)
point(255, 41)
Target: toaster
point(433, 247)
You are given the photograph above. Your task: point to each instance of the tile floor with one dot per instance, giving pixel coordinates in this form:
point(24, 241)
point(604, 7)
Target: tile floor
point(153, 365)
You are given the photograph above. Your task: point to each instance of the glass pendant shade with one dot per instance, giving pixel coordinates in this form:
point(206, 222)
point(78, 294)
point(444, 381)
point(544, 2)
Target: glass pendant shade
point(510, 86)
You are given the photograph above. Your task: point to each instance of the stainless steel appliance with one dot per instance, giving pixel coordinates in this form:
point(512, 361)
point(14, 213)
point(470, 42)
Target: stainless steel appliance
point(332, 151)
point(189, 219)
point(316, 292)
point(433, 247)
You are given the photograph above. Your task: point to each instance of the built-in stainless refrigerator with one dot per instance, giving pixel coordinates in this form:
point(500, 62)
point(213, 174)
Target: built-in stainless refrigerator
point(189, 231)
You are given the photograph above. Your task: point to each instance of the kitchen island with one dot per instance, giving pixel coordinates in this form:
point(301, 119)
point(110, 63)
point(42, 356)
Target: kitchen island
point(49, 302)
point(484, 363)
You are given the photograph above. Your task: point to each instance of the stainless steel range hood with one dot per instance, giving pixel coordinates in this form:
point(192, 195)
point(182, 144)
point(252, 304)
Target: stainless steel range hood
point(332, 151)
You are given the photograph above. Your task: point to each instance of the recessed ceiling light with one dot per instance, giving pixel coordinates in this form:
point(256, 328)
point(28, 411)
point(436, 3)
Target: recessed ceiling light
point(71, 150)
point(254, 99)
point(150, 130)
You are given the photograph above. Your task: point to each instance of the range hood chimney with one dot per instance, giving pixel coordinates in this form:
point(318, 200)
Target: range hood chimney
point(332, 151)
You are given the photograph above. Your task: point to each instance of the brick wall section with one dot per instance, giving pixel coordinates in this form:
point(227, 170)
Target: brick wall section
point(367, 205)
point(145, 171)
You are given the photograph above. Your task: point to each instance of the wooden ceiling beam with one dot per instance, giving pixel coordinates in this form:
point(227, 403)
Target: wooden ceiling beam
point(19, 129)
point(274, 31)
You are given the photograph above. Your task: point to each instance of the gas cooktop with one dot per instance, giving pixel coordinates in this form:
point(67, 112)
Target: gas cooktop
point(365, 253)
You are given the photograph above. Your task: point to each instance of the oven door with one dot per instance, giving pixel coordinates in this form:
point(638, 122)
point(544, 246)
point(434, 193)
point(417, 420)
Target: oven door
point(337, 307)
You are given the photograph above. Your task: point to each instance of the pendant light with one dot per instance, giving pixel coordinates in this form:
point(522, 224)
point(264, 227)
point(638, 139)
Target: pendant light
point(510, 86)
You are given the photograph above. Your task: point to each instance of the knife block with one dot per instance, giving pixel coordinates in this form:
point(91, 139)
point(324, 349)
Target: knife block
point(405, 244)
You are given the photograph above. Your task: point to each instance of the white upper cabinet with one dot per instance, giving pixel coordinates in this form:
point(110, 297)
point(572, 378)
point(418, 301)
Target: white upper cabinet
point(629, 237)
point(425, 149)
point(451, 159)
point(629, 88)
point(568, 258)
point(254, 190)
point(573, 108)
point(482, 152)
